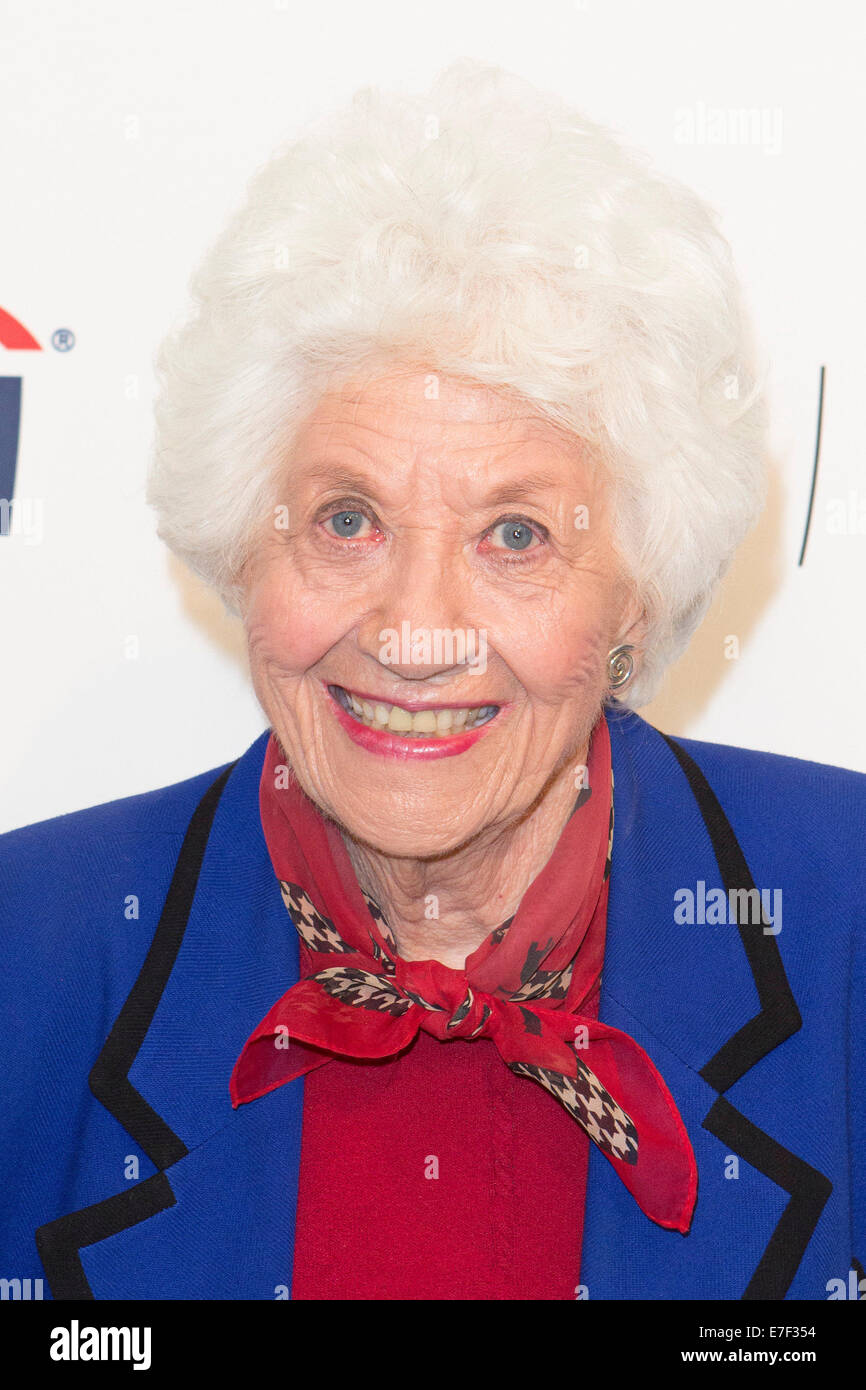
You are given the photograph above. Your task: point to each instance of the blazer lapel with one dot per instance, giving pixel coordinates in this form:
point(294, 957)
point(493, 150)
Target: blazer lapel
point(194, 1228)
point(707, 1003)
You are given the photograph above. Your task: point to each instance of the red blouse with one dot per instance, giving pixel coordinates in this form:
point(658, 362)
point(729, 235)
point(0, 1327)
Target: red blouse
point(437, 1175)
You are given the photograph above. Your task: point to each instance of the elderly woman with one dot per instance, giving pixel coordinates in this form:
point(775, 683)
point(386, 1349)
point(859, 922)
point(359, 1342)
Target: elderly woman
point(463, 982)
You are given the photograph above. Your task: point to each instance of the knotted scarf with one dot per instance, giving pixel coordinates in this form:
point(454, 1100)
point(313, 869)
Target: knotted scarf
point(522, 988)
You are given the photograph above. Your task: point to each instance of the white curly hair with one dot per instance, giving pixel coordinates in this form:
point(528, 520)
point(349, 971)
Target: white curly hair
point(488, 231)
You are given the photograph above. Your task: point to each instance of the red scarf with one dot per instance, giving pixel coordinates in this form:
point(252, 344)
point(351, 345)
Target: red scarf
point(522, 988)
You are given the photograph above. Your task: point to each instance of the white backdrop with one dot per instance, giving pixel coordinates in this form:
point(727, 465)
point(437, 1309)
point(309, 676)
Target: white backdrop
point(129, 132)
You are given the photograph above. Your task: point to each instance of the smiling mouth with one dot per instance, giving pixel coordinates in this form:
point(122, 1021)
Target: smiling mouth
point(444, 722)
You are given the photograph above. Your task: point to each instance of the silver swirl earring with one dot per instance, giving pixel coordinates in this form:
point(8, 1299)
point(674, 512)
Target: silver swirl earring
point(620, 665)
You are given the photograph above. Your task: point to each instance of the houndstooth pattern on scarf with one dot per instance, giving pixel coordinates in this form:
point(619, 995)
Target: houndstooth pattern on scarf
point(586, 1099)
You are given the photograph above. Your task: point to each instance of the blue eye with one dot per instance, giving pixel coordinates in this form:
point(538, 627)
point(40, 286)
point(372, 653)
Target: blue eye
point(516, 535)
point(347, 523)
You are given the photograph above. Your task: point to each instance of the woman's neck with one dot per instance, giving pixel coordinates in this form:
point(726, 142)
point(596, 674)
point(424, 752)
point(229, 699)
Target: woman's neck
point(443, 908)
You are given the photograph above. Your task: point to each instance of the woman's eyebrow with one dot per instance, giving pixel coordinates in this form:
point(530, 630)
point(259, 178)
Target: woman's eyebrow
point(340, 476)
point(521, 489)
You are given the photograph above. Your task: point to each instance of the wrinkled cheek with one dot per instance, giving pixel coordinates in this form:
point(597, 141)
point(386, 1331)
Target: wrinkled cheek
point(285, 636)
point(559, 663)
point(585, 670)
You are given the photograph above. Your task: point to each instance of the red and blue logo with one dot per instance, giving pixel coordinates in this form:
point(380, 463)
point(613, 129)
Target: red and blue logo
point(17, 338)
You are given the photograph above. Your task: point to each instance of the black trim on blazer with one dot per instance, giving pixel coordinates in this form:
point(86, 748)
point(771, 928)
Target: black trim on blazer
point(779, 1019)
point(109, 1078)
point(59, 1241)
point(808, 1187)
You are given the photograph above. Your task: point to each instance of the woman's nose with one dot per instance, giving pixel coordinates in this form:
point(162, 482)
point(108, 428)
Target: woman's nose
point(418, 626)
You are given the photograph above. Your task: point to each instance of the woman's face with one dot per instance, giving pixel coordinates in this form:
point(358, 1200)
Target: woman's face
point(430, 610)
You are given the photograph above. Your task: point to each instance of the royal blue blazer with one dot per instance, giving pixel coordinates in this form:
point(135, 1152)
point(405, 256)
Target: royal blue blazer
point(143, 940)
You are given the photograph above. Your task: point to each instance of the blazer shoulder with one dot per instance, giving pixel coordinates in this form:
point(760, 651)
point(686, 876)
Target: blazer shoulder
point(789, 806)
point(801, 816)
point(752, 770)
point(59, 878)
point(165, 809)
point(80, 899)
point(745, 766)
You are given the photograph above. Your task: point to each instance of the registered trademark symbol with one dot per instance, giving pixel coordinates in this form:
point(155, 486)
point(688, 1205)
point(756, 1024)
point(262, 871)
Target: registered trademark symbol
point(63, 339)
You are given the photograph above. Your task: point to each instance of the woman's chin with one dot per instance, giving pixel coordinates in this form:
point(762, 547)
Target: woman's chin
point(416, 836)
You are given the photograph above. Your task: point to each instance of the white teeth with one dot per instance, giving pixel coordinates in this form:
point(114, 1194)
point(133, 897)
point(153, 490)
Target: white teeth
point(439, 723)
point(400, 720)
